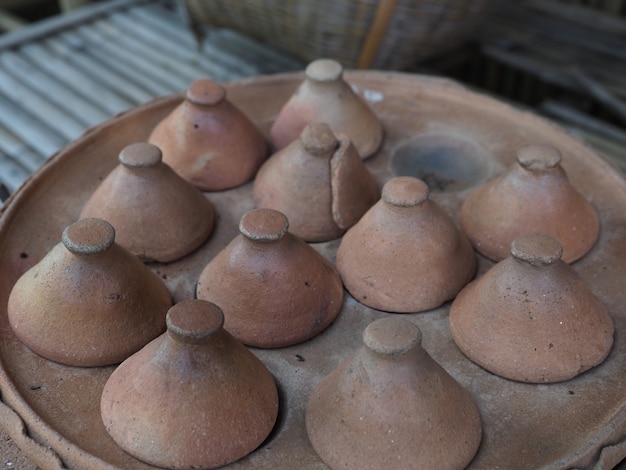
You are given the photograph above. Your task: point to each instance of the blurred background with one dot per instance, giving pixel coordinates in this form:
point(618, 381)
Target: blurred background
point(68, 65)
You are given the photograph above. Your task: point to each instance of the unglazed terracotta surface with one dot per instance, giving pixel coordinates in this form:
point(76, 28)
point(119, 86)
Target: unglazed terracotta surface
point(194, 398)
point(209, 141)
point(534, 196)
point(88, 302)
point(578, 423)
point(390, 405)
point(157, 215)
point(324, 96)
point(531, 318)
point(319, 182)
point(405, 254)
point(275, 290)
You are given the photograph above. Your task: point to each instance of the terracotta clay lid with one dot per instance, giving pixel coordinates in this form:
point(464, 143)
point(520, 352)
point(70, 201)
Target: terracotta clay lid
point(324, 96)
point(209, 141)
point(193, 398)
point(88, 302)
point(274, 288)
point(390, 405)
point(533, 196)
point(405, 254)
point(531, 318)
point(319, 182)
point(157, 215)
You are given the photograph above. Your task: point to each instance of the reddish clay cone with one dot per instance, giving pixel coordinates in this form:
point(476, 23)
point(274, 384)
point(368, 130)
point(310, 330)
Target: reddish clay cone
point(405, 254)
point(531, 318)
point(319, 182)
point(534, 196)
point(324, 96)
point(209, 141)
point(88, 302)
point(157, 215)
point(194, 398)
point(390, 405)
point(275, 289)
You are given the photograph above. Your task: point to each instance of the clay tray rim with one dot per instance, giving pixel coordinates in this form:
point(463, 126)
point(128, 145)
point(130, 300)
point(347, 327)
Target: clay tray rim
point(18, 418)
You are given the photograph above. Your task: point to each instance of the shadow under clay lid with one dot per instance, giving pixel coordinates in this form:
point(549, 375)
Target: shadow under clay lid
point(88, 302)
point(531, 318)
point(275, 290)
point(209, 141)
point(533, 196)
point(194, 397)
point(157, 215)
point(324, 96)
point(405, 254)
point(390, 405)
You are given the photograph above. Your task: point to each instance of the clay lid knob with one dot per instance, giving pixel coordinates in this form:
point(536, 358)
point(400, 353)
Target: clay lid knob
point(537, 250)
point(140, 155)
point(538, 157)
point(263, 225)
point(205, 92)
point(324, 70)
point(191, 321)
point(392, 337)
point(318, 139)
point(405, 191)
point(88, 236)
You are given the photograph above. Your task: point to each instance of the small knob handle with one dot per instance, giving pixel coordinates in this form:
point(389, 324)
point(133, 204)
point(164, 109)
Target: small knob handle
point(205, 92)
point(140, 155)
point(392, 337)
point(324, 70)
point(405, 191)
point(318, 139)
point(264, 225)
point(537, 250)
point(538, 157)
point(192, 321)
point(88, 236)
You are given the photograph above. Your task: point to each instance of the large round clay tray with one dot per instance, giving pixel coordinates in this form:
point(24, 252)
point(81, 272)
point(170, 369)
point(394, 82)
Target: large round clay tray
point(436, 129)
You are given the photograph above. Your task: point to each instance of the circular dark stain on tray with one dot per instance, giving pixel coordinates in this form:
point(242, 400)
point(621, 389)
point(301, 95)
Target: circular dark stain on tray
point(445, 162)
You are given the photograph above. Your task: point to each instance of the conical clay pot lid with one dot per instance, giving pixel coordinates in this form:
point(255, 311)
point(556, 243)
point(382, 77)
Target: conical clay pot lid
point(194, 398)
point(534, 196)
point(209, 141)
point(324, 96)
point(390, 405)
point(531, 318)
point(274, 289)
point(88, 302)
point(319, 182)
point(157, 215)
point(405, 254)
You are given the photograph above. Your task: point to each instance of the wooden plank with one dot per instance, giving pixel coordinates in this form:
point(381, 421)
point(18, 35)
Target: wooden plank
point(38, 105)
point(29, 128)
point(157, 51)
point(584, 16)
point(99, 78)
point(124, 69)
point(11, 175)
point(56, 92)
point(183, 53)
point(146, 70)
point(19, 152)
point(55, 24)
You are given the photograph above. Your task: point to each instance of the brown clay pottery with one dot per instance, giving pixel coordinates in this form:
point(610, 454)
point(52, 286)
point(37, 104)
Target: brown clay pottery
point(390, 405)
point(274, 289)
point(88, 302)
point(194, 398)
point(531, 318)
point(324, 96)
point(534, 196)
point(319, 182)
point(209, 141)
point(405, 254)
point(157, 215)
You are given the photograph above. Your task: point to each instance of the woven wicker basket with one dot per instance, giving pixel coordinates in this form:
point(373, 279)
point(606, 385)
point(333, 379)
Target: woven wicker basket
point(381, 34)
